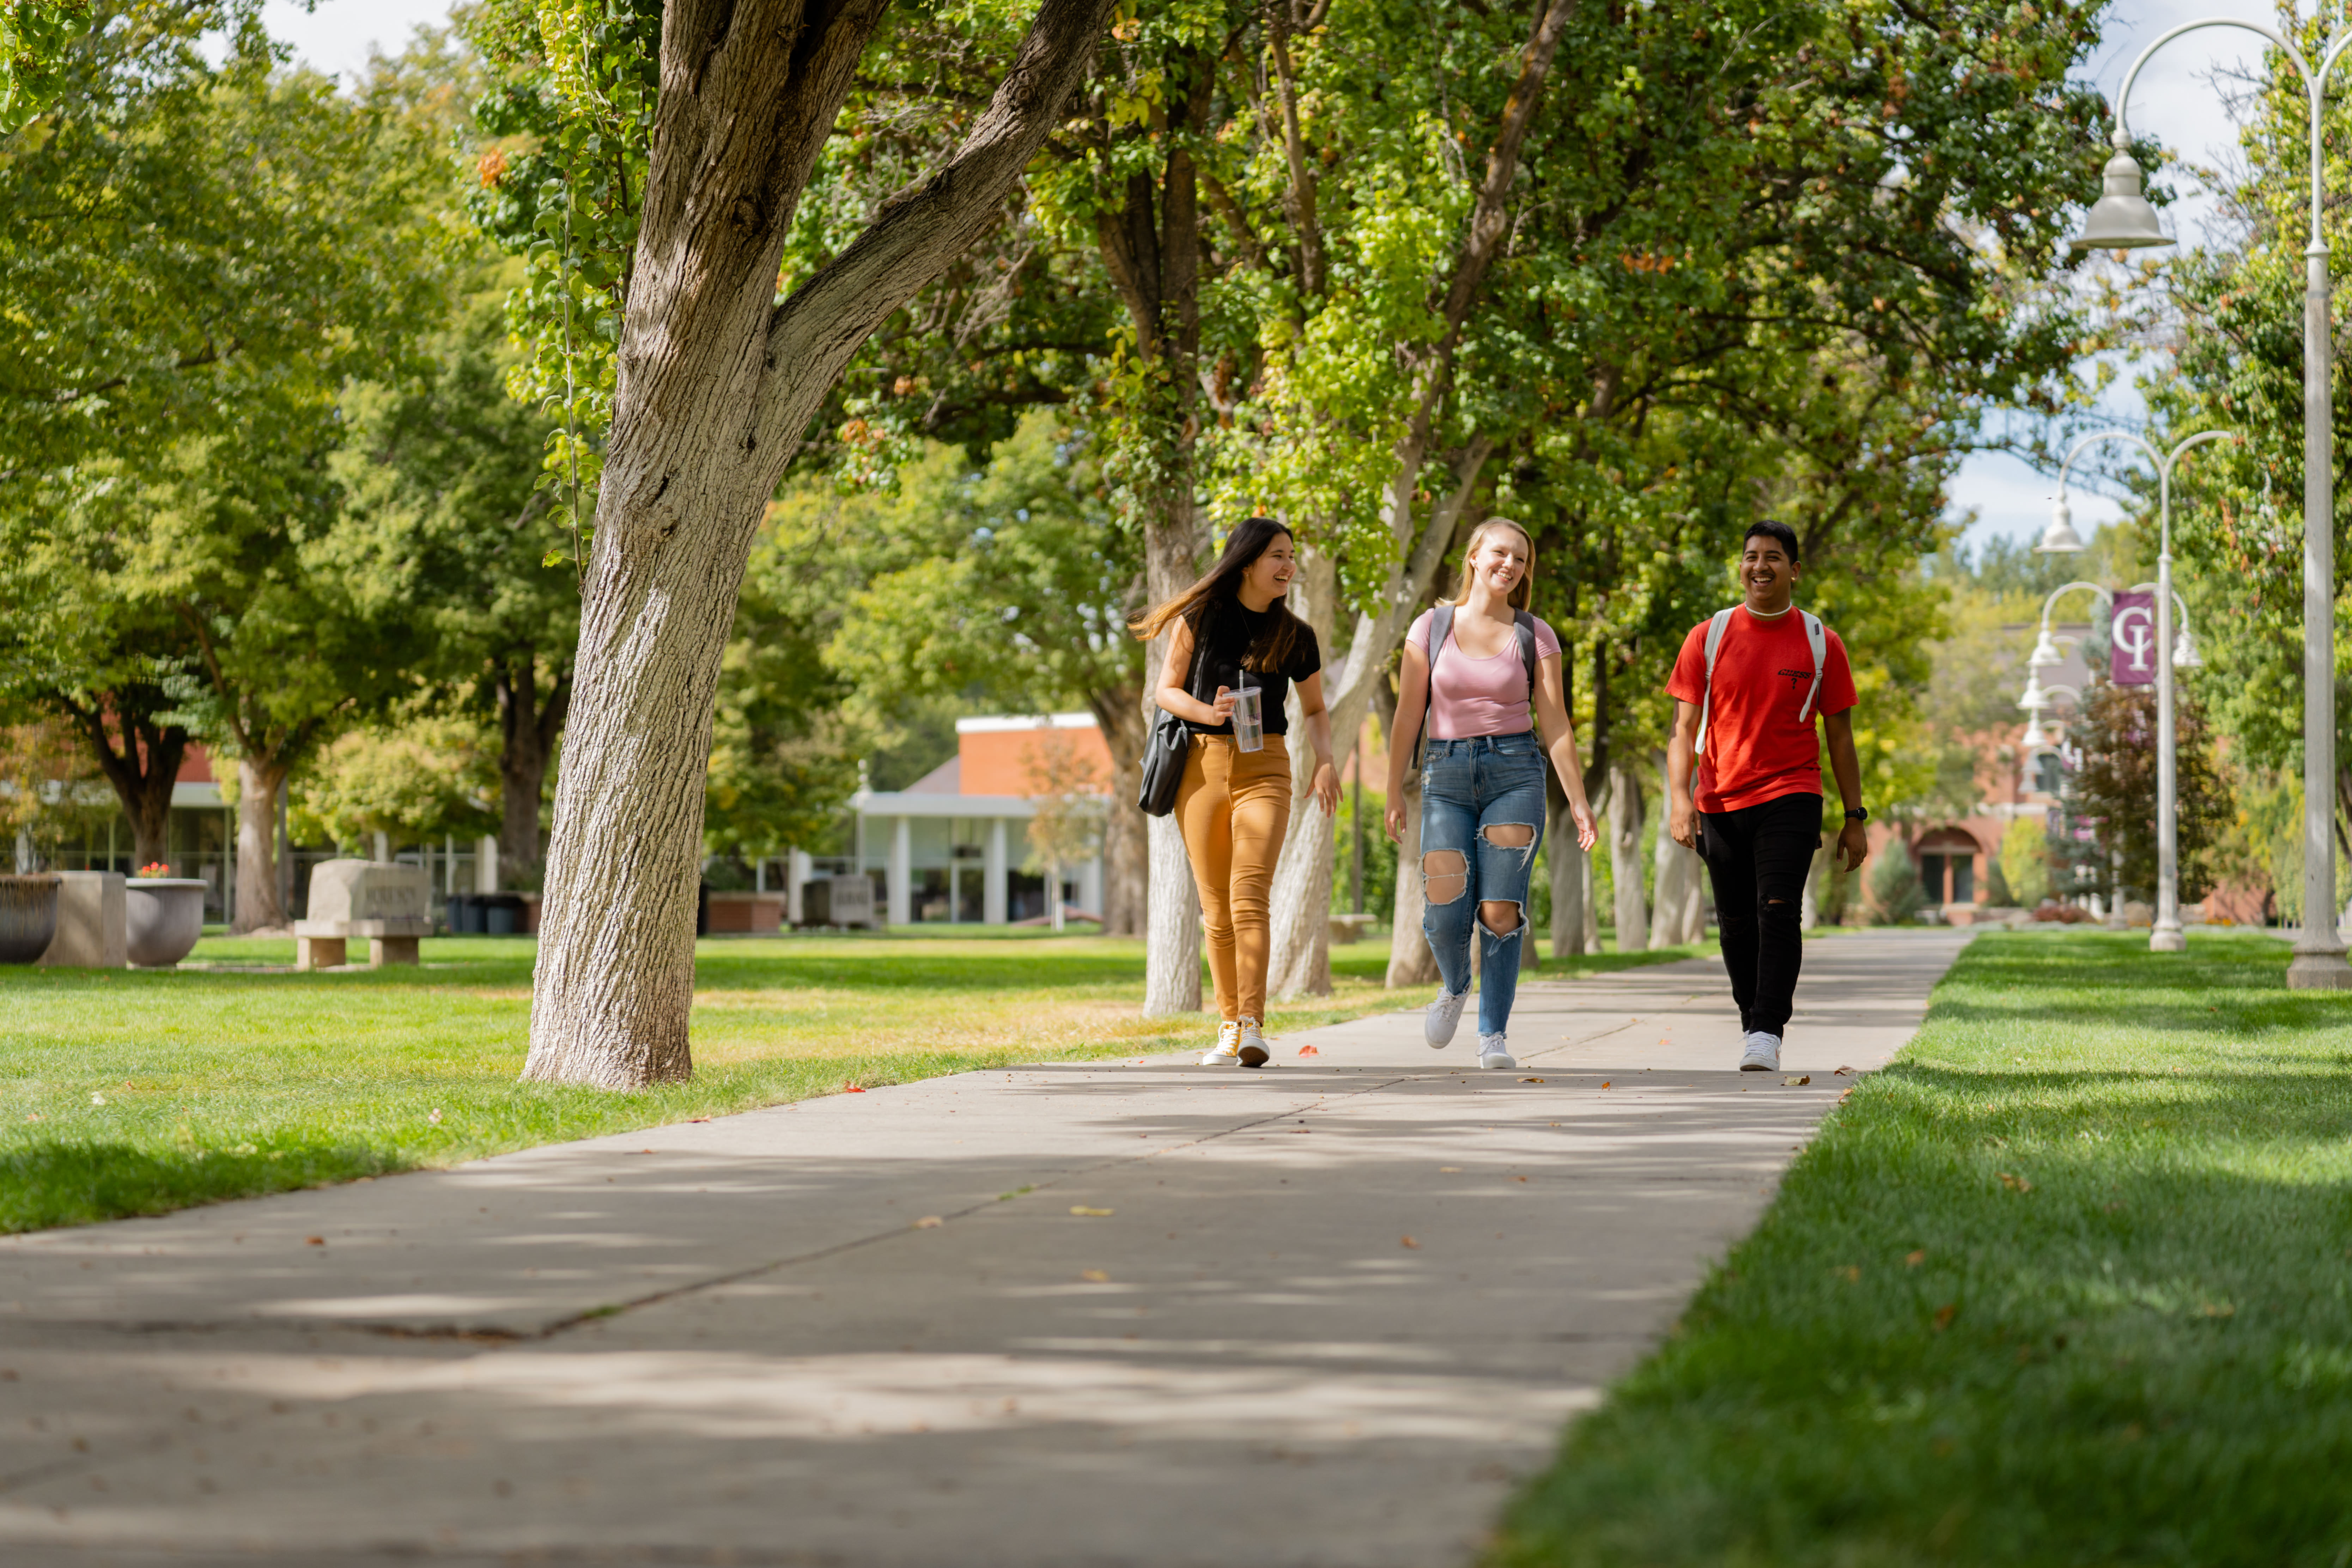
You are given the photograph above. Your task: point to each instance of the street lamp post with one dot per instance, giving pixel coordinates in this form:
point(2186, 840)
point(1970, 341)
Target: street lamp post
point(2061, 538)
point(2123, 220)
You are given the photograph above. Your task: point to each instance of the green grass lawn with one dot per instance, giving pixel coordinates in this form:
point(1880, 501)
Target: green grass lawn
point(2070, 1283)
point(124, 1093)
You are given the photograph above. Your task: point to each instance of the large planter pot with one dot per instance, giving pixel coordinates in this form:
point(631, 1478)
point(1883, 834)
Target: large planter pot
point(163, 916)
point(29, 917)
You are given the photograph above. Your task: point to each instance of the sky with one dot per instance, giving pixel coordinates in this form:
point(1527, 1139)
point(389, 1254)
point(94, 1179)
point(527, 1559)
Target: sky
point(1992, 493)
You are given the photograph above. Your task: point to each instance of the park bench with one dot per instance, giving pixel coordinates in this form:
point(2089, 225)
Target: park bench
point(371, 901)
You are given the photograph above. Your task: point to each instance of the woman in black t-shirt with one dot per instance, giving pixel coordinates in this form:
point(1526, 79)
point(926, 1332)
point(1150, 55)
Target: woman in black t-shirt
point(1234, 805)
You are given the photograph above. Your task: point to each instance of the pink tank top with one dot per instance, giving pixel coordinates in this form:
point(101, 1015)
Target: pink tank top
point(1470, 696)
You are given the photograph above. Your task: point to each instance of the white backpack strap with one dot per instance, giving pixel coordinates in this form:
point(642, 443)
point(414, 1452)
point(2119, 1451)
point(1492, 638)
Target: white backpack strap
point(1820, 643)
point(1716, 626)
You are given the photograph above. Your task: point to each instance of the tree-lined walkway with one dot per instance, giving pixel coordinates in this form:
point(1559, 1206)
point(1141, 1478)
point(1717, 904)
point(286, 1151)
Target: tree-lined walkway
point(1130, 1312)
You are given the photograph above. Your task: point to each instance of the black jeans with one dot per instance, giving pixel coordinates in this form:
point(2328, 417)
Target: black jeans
point(1758, 857)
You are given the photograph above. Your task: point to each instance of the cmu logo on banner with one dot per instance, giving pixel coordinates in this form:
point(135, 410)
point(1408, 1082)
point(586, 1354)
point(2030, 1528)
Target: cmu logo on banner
point(2131, 653)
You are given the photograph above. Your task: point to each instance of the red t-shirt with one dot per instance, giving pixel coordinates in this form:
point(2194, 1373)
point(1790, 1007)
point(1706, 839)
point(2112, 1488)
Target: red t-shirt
point(1756, 748)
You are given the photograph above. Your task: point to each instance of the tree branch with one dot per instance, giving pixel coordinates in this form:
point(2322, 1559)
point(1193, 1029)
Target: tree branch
point(820, 326)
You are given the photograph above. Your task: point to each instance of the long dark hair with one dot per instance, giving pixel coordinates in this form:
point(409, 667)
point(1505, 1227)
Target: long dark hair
point(1274, 647)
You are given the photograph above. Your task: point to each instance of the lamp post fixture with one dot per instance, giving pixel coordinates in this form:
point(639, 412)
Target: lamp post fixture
point(2123, 220)
point(2059, 539)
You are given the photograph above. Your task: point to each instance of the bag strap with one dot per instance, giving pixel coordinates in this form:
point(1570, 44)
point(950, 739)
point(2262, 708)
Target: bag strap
point(1819, 641)
point(1441, 627)
point(1524, 623)
point(1717, 625)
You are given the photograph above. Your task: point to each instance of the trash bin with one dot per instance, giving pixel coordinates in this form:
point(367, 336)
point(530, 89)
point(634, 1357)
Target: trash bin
point(465, 916)
point(501, 913)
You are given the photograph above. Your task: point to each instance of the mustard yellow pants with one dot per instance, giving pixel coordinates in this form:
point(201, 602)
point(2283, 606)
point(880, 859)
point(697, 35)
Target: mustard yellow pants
point(1232, 809)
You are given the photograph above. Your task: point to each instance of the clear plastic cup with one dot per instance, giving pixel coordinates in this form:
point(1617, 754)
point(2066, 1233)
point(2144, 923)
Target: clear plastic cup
point(1249, 719)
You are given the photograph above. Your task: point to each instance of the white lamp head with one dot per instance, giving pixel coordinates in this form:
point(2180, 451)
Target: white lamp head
point(2122, 219)
point(2184, 652)
point(2035, 700)
point(2035, 736)
point(2060, 538)
point(2045, 653)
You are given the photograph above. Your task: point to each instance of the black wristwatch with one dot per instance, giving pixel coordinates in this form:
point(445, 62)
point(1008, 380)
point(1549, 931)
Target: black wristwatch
point(1857, 813)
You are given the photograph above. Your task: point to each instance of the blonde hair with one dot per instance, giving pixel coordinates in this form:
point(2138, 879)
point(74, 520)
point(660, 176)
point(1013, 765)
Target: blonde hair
point(1522, 592)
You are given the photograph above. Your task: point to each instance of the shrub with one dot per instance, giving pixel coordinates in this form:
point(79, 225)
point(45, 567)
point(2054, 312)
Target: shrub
point(2025, 861)
point(1895, 895)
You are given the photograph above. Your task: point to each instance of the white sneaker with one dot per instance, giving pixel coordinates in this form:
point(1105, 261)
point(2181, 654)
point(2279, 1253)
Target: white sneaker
point(1763, 1053)
point(1251, 1047)
point(1227, 1050)
point(1495, 1055)
point(1440, 1019)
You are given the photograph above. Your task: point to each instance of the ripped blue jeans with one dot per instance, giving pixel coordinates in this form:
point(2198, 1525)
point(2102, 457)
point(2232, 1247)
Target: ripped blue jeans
point(1482, 820)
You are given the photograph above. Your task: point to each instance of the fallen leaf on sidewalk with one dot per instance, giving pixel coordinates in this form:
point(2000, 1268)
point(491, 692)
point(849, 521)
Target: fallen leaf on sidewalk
point(694, 1119)
point(1803, 1078)
point(853, 1089)
point(1408, 1241)
point(1085, 1213)
point(1841, 1072)
point(1095, 1277)
point(314, 1241)
point(1310, 1051)
point(1531, 1080)
point(929, 1221)
point(1604, 1083)
point(1449, 1170)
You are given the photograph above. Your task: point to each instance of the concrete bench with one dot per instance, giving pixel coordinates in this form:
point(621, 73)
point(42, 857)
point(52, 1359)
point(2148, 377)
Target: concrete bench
point(372, 901)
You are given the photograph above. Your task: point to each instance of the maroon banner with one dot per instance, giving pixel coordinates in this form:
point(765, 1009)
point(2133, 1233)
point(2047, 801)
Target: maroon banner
point(2131, 637)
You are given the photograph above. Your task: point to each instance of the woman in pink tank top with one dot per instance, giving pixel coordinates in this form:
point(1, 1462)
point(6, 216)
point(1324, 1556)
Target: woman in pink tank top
point(1482, 779)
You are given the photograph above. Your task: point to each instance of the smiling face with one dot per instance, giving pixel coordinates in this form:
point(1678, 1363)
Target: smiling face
point(1767, 574)
point(1499, 561)
point(1268, 577)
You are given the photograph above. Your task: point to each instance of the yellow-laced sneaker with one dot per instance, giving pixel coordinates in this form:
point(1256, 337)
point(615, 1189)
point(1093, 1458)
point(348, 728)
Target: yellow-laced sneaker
point(1228, 1049)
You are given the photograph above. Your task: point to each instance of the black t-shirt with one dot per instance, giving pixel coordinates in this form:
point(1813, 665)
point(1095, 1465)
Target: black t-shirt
point(1231, 629)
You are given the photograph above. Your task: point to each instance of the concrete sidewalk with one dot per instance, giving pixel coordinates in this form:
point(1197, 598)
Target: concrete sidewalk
point(1128, 1313)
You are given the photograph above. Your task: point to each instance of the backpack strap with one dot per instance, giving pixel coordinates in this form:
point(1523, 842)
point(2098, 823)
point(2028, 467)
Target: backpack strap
point(1524, 623)
point(1819, 641)
point(1717, 625)
point(1441, 627)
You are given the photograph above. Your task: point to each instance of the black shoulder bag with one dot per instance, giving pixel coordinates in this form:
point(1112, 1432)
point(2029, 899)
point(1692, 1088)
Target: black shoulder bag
point(1171, 746)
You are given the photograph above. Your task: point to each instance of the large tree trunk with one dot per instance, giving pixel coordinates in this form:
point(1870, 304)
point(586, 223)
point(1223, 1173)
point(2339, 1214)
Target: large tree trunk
point(143, 769)
point(1410, 963)
point(1625, 857)
point(1149, 239)
point(1677, 916)
point(258, 905)
point(716, 385)
point(1172, 951)
point(1299, 952)
point(1565, 864)
point(527, 740)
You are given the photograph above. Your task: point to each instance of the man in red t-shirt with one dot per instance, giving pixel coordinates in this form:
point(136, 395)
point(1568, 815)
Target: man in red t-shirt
point(1756, 821)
